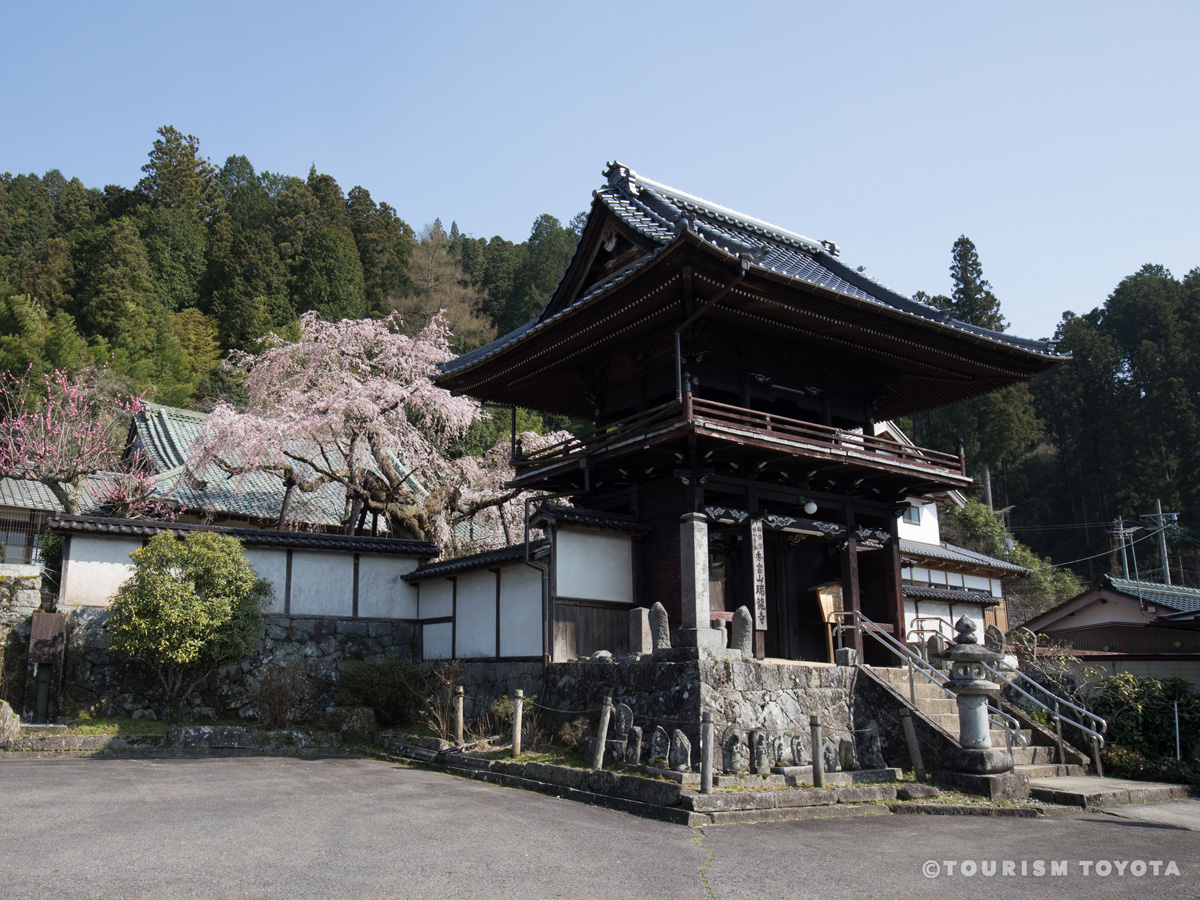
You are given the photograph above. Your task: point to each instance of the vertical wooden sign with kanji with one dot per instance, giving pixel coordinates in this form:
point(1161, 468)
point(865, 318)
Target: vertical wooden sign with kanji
point(758, 574)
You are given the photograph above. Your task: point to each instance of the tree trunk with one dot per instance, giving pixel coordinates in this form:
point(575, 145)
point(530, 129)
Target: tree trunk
point(287, 503)
point(986, 477)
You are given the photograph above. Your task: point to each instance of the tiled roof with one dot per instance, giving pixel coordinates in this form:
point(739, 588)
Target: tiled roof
point(165, 435)
point(21, 494)
point(475, 561)
point(950, 595)
point(541, 324)
point(944, 552)
point(258, 537)
point(570, 515)
point(661, 213)
point(1180, 599)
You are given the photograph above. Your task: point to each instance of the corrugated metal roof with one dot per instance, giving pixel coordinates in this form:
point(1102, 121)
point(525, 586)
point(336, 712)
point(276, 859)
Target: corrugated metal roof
point(1180, 599)
point(960, 555)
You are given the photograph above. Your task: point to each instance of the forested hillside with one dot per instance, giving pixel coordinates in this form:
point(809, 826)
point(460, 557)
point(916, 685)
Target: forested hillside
point(1099, 437)
point(159, 279)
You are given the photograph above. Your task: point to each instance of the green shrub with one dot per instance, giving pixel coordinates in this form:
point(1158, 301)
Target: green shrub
point(1141, 712)
point(191, 606)
point(1121, 762)
point(282, 693)
point(392, 687)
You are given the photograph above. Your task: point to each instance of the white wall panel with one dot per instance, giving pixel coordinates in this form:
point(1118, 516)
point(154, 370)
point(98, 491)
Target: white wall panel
point(271, 566)
point(322, 584)
point(475, 618)
point(436, 640)
point(520, 611)
point(436, 598)
point(97, 566)
point(591, 565)
point(382, 592)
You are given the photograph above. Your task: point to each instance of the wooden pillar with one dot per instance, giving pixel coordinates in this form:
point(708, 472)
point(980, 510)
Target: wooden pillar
point(850, 595)
point(893, 583)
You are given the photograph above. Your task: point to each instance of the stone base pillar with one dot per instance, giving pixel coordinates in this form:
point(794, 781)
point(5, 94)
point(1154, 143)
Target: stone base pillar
point(696, 630)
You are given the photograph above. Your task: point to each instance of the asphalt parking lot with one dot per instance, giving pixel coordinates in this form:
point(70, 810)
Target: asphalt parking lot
point(326, 828)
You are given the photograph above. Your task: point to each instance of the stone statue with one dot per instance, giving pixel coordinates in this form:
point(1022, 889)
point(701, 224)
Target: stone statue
point(734, 756)
point(660, 748)
point(660, 627)
point(680, 754)
point(743, 632)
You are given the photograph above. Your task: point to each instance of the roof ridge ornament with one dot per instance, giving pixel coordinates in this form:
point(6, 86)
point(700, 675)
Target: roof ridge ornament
point(831, 248)
point(621, 176)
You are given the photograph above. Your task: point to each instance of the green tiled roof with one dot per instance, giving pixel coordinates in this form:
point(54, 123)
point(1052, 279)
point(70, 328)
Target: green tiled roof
point(166, 434)
point(1180, 599)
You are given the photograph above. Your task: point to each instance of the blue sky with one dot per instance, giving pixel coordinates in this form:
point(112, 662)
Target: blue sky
point(1061, 137)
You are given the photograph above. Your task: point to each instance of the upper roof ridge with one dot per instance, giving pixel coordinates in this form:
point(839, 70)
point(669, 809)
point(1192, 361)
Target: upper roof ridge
point(620, 175)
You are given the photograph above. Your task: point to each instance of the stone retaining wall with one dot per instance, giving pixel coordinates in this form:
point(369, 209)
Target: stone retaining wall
point(93, 681)
point(672, 687)
point(779, 698)
point(20, 588)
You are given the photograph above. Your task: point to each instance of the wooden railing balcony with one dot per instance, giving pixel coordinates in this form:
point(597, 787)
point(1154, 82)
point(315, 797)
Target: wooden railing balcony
point(745, 427)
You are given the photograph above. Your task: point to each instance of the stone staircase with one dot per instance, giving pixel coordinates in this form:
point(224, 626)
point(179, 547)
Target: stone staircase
point(1035, 760)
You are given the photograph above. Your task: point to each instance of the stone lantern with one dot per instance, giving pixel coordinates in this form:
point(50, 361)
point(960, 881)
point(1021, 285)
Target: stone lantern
point(965, 658)
point(978, 767)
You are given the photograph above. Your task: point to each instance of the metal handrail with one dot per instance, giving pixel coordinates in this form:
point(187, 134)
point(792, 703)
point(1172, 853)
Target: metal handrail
point(1103, 725)
point(921, 629)
point(1006, 723)
point(1058, 702)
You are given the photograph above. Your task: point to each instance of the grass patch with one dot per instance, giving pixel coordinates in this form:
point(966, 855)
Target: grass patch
point(123, 726)
point(550, 755)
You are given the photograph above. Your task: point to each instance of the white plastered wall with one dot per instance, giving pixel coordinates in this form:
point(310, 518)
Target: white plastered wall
point(520, 611)
point(926, 531)
point(593, 565)
point(322, 584)
point(382, 591)
point(96, 566)
point(475, 615)
point(437, 640)
point(271, 565)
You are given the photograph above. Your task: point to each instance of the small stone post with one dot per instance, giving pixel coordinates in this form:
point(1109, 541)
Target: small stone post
point(518, 711)
point(706, 752)
point(602, 734)
point(914, 746)
point(458, 714)
point(818, 765)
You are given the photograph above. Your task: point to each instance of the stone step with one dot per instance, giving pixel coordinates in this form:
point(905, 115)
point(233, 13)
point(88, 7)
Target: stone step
point(1034, 756)
point(1092, 792)
point(931, 706)
point(900, 676)
point(1050, 770)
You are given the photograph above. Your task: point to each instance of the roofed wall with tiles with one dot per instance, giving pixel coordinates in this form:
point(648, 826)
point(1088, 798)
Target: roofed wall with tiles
point(305, 581)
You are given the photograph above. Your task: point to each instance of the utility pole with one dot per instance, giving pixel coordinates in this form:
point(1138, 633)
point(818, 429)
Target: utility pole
point(1161, 519)
point(1120, 532)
